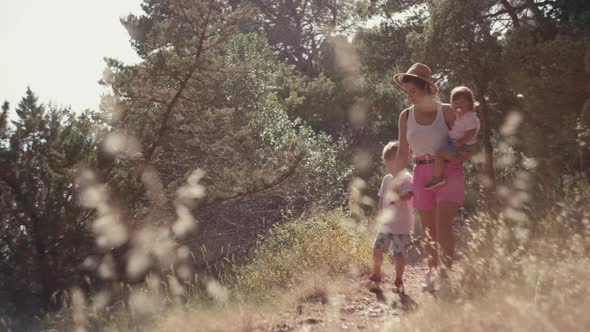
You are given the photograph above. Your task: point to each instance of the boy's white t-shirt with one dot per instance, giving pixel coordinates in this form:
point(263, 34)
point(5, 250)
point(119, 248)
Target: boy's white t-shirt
point(397, 218)
point(464, 123)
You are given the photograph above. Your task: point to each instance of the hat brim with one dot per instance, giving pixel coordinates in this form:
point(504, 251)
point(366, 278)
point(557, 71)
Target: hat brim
point(397, 78)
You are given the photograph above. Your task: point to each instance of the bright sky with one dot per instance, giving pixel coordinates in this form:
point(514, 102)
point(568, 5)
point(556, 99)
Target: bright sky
point(57, 48)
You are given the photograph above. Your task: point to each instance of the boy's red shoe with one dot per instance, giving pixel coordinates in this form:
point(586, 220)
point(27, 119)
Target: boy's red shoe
point(399, 286)
point(374, 278)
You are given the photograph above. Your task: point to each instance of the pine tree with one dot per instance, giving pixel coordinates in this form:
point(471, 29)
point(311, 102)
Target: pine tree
point(45, 231)
point(206, 96)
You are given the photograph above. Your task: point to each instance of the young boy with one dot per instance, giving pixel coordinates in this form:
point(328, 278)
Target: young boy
point(396, 217)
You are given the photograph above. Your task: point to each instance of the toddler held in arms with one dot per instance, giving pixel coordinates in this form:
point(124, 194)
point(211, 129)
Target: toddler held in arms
point(463, 134)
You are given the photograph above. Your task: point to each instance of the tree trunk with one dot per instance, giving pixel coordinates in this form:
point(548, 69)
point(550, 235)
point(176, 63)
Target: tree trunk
point(488, 149)
point(46, 277)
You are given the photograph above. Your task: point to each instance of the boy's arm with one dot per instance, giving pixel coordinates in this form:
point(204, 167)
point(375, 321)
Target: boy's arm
point(382, 192)
point(466, 138)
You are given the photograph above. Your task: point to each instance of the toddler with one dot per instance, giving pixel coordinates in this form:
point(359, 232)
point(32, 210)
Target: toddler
point(463, 134)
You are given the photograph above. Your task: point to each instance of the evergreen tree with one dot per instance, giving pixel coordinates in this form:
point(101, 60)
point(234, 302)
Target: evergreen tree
point(206, 96)
point(296, 30)
point(45, 232)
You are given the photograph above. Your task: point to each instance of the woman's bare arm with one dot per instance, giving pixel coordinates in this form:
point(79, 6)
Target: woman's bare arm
point(402, 157)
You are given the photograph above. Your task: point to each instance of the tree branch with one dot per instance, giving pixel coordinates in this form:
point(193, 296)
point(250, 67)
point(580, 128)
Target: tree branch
point(511, 11)
point(515, 9)
point(173, 102)
point(261, 188)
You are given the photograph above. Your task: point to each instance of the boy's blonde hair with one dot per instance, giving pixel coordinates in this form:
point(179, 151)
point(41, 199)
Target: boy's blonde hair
point(390, 150)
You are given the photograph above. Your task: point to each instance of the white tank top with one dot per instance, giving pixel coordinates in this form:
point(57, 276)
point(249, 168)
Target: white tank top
point(425, 140)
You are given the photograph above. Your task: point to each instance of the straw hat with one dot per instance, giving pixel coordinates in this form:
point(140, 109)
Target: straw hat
point(418, 70)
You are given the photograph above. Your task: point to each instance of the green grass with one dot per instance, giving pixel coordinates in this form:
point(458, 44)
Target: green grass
point(323, 243)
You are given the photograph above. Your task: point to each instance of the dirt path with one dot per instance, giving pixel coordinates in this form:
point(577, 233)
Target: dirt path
point(357, 305)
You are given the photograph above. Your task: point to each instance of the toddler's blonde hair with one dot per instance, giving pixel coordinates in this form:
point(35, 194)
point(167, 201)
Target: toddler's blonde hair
point(464, 92)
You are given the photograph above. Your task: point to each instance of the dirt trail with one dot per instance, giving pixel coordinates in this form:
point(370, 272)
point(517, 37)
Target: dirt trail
point(358, 305)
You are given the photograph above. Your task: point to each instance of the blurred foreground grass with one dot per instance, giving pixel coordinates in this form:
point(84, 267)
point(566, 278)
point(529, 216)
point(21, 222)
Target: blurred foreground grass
point(525, 267)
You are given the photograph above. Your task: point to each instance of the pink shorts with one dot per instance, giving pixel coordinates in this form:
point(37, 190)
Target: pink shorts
point(451, 192)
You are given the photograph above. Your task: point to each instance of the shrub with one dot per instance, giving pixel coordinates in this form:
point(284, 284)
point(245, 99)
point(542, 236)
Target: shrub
point(326, 242)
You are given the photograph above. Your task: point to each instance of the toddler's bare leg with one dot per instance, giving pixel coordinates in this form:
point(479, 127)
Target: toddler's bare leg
point(377, 262)
point(400, 265)
point(439, 162)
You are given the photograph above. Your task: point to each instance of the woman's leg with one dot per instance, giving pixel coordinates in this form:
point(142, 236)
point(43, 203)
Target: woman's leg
point(445, 215)
point(429, 236)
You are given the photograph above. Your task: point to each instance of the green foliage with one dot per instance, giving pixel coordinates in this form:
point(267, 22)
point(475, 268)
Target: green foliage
point(320, 243)
point(324, 101)
point(45, 233)
point(222, 108)
point(384, 51)
point(259, 95)
point(574, 13)
point(297, 29)
point(322, 175)
point(220, 117)
point(551, 78)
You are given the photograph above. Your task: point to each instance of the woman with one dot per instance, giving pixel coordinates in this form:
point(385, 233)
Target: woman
point(423, 128)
